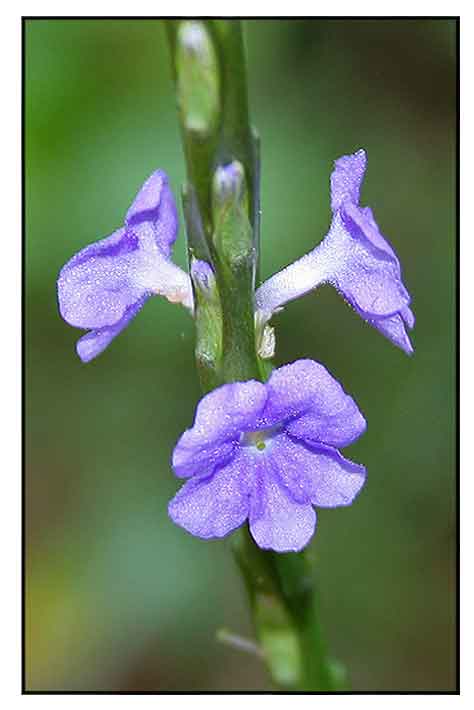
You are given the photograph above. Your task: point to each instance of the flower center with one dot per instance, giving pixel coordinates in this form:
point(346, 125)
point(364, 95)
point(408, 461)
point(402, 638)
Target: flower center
point(259, 439)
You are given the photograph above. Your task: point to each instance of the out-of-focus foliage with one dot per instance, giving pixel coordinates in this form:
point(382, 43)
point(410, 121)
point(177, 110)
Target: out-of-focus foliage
point(117, 597)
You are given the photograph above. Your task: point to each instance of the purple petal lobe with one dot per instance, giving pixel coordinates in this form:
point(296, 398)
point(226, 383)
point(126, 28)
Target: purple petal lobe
point(213, 506)
point(313, 404)
point(339, 423)
point(147, 201)
point(119, 243)
point(315, 474)
point(346, 179)
point(292, 389)
point(367, 277)
point(338, 481)
point(393, 327)
point(221, 417)
point(94, 288)
point(193, 459)
point(92, 344)
point(155, 204)
point(277, 521)
point(360, 221)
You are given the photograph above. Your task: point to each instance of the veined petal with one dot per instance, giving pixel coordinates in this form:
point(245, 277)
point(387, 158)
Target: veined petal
point(155, 204)
point(304, 391)
point(367, 228)
point(277, 522)
point(339, 480)
point(221, 417)
point(394, 328)
point(346, 179)
point(368, 277)
point(212, 506)
point(339, 428)
point(94, 287)
point(92, 344)
point(315, 474)
point(200, 460)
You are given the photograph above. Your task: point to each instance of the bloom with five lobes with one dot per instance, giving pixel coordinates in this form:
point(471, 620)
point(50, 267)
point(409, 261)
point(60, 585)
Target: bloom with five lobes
point(354, 257)
point(268, 453)
point(105, 285)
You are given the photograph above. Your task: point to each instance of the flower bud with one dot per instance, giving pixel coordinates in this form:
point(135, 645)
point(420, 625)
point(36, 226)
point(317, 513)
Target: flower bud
point(197, 78)
point(230, 209)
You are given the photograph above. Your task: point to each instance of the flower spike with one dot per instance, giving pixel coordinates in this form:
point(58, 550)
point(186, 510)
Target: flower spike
point(354, 257)
point(105, 285)
point(268, 453)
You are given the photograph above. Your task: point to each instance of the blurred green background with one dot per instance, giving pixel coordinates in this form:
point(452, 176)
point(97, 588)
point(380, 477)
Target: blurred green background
point(118, 598)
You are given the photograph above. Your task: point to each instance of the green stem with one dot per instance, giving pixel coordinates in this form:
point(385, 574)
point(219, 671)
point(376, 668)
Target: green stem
point(222, 224)
point(284, 604)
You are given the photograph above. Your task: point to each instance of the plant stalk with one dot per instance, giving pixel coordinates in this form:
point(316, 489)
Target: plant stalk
point(222, 225)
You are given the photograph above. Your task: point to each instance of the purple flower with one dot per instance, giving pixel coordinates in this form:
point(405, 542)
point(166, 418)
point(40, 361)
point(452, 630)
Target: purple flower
point(354, 257)
point(105, 285)
point(268, 453)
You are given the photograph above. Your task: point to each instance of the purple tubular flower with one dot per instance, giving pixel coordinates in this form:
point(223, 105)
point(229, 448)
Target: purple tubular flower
point(268, 453)
point(354, 257)
point(105, 285)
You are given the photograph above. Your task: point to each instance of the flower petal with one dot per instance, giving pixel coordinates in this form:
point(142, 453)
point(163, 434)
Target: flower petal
point(213, 506)
point(367, 276)
point(94, 287)
point(276, 521)
point(316, 474)
point(155, 203)
point(221, 417)
point(92, 344)
point(363, 218)
point(339, 429)
point(346, 179)
point(393, 327)
point(313, 403)
point(339, 480)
